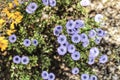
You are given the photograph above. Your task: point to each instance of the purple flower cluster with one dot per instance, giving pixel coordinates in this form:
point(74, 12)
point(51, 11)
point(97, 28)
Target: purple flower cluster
point(23, 60)
point(52, 3)
point(27, 42)
point(94, 52)
point(64, 44)
point(88, 77)
point(97, 34)
point(73, 30)
point(73, 27)
point(49, 76)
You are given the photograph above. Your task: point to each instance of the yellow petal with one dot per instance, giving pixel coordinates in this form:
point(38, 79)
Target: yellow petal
point(5, 10)
point(17, 13)
point(1, 21)
point(3, 43)
point(16, 2)
point(9, 32)
point(10, 5)
point(10, 15)
point(12, 25)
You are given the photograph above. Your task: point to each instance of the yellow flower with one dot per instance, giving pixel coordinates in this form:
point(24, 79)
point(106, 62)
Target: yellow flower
point(3, 43)
point(12, 25)
point(17, 13)
point(16, 2)
point(18, 20)
point(5, 10)
point(1, 23)
point(10, 15)
point(18, 17)
point(9, 32)
point(10, 5)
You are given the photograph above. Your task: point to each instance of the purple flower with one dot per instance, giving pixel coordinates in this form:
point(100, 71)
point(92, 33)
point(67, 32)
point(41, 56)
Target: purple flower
point(62, 50)
point(86, 43)
point(84, 77)
point(75, 70)
point(92, 34)
point(31, 8)
point(62, 39)
point(103, 59)
point(70, 24)
point(28, 11)
point(16, 59)
point(85, 2)
point(79, 23)
point(52, 3)
point(97, 40)
point(76, 30)
point(73, 31)
point(94, 52)
point(98, 18)
point(65, 44)
point(26, 42)
point(93, 77)
point(35, 42)
point(83, 37)
point(56, 32)
point(75, 56)
point(71, 48)
point(51, 76)
point(12, 38)
point(44, 74)
point(59, 28)
point(100, 32)
point(25, 60)
point(70, 31)
point(45, 2)
point(91, 60)
point(76, 38)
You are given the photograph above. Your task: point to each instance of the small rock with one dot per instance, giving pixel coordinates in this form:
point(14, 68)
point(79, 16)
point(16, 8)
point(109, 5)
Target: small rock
point(109, 52)
point(115, 77)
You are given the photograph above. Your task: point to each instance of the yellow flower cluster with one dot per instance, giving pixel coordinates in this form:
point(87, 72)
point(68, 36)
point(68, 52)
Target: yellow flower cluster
point(15, 17)
point(3, 43)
